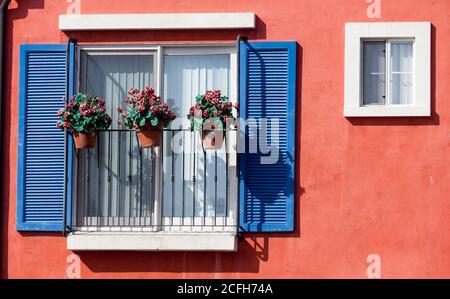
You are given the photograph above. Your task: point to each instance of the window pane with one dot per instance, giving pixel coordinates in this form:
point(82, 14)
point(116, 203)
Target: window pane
point(185, 77)
point(374, 73)
point(109, 176)
point(110, 77)
point(402, 72)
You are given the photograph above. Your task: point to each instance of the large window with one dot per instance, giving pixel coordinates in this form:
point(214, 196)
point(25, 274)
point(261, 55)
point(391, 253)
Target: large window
point(176, 187)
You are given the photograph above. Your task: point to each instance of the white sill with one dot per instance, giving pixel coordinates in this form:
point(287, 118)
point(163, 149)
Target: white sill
point(158, 241)
point(386, 111)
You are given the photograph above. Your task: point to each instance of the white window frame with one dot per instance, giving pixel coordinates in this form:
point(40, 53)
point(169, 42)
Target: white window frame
point(355, 35)
point(155, 238)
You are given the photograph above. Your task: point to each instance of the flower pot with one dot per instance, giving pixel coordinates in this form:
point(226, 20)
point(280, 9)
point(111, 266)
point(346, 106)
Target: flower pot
point(84, 140)
point(212, 140)
point(149, 137)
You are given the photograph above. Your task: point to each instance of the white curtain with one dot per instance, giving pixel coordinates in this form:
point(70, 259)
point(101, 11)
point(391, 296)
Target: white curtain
point(109, 176)
point(186, 76)
point(401, 72)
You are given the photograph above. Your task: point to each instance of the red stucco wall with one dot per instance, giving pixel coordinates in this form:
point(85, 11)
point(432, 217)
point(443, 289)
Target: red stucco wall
point(363, 185)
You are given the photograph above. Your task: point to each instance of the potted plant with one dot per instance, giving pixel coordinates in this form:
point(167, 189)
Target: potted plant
point(212, 113)
point(83, 116)
point(146, 113)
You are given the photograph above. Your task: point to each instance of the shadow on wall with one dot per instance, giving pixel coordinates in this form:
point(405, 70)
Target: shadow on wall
point(433, 120)
point(246, 260)
point(18, 9)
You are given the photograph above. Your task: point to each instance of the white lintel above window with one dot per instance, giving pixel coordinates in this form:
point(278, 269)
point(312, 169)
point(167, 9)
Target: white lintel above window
point(168, 21)
point(387, 69)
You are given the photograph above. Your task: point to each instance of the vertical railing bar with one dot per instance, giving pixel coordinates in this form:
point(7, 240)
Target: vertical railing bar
point(109, 178)
point(204, 188)
point(151, 196)
point(119, 195)
point(226, 182)
point(140, 187)
point(153, 191)
point(182, 189)
point(160, 196)
point(162, 183)
point(193, 178)
point(79, 203)
point(130, 178)
point(173, 181)
point(98, 150)
point(98, 212)
point(215, 188)
point(79, 207)
point(85, 195)
point(88, 181)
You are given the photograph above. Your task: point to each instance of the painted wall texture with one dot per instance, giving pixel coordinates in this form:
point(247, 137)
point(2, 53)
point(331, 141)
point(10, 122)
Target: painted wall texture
point(364, 185)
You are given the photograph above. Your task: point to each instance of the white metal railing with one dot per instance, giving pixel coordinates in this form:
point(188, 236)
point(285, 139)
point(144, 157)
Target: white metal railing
point(178, 187)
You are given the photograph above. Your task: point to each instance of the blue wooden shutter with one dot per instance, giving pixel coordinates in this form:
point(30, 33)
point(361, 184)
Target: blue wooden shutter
point(43, 83)
point(267, 90)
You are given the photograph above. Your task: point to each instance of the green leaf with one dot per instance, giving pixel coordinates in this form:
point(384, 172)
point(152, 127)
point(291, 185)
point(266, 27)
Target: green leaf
point(126, 122)
point(197, 123)
point(142, 122)
point(154, 121)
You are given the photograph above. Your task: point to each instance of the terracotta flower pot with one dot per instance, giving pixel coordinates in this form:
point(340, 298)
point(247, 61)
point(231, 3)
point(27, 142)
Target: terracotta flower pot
point(84, 140)
point(149, 137)
point(212, 140)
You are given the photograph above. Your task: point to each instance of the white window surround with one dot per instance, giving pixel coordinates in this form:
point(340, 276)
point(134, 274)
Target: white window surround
point(167, 21)
point(355, 33)
point(127, 239)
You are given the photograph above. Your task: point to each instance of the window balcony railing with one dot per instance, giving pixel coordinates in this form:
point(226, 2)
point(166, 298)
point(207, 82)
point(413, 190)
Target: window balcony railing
point(177, 187)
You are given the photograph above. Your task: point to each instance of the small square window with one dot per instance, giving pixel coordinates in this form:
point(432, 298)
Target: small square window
point(387, 69)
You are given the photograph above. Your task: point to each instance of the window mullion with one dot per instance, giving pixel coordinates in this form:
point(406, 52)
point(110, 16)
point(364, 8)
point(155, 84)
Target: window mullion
point(159, 71)
point(388, 74)
point(159, 175)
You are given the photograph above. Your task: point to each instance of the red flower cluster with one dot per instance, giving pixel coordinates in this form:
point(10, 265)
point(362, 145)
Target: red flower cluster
point(145, 109)
point(84, 114)
point(211, 105)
